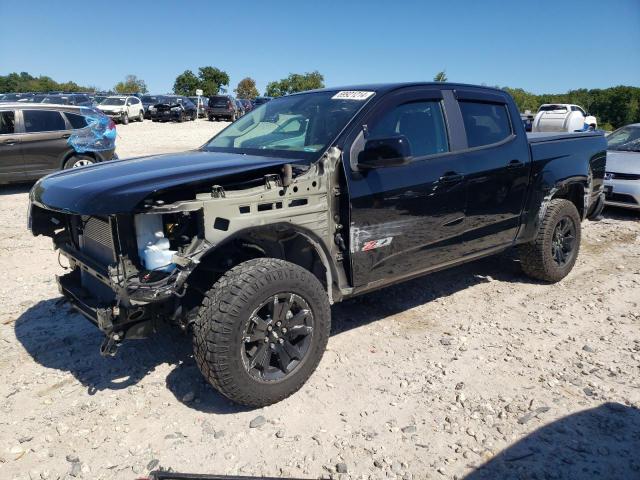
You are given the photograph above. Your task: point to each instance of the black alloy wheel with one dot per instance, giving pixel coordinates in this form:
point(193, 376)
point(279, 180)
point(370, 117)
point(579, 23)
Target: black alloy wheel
point(277, 337)
point(563, 241)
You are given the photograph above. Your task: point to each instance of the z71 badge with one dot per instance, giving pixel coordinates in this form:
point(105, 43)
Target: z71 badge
point(373, 244)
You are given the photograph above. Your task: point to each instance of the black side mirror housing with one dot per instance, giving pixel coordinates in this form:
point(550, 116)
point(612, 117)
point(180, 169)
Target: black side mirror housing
point(385, 152)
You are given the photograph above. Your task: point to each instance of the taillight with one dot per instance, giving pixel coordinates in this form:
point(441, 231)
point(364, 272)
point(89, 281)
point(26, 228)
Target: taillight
point(229, 105)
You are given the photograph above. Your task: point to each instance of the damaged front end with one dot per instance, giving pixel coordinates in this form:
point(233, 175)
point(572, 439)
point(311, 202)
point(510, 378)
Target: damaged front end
point(107, 280)
point(127, 271)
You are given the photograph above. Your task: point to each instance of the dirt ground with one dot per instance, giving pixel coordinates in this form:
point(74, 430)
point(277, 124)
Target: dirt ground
point(474, 372)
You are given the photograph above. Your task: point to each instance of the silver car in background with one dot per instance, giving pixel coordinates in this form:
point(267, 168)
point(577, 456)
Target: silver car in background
point(622, 178)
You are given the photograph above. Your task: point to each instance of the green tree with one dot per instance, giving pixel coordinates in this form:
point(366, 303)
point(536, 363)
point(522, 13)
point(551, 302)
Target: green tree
point(211, 79)
point(131, 84)
point(186, 83)
point(440, 76)
point(247, 88)
point(295, 82)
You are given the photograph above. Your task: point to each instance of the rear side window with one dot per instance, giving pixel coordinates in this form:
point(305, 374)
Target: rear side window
point(7, 123)
point(485, 123)
point(76, 121)
point(421, 122)
point(43, 121)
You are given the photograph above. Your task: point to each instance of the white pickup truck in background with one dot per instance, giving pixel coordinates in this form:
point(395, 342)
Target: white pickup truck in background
point(563, 117)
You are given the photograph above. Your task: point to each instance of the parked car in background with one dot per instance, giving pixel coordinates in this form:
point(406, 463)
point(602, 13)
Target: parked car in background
point(222, 107)
point(201, 103)
point(37, 139)
point(36, 98)
point(99, 97)
point(261, 100)
point(622, 179)
point(14, 97)
point(149, 101)
point(563, 117)
point(241, 110)
point(246, 103)
point(173, 108)
point(122, 108)
point(78, 99)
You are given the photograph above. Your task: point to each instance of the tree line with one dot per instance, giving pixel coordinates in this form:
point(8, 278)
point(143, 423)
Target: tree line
point(614, 106)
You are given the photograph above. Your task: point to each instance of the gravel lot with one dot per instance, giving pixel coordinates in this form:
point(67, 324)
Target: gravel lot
point(474, 371)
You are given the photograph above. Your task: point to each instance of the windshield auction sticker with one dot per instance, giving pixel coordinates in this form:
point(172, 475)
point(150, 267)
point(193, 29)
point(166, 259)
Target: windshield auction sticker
point(352, 95)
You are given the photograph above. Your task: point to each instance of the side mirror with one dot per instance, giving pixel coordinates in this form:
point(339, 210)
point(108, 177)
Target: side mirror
point(385, 152)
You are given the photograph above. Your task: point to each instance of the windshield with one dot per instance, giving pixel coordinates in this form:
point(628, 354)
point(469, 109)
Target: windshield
point(626, 139)
point(113, 101)
point(218, 101)
point(299, 126)
point(553, 108)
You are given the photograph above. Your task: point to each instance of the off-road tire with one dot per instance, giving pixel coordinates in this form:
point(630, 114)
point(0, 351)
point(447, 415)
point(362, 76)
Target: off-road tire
point(536, 257)
point(125, 119)
point(224, 313)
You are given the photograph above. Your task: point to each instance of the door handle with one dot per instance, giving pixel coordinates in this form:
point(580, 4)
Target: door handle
point(451, 177)
point(66, 135)
point(515, 164)
point(9, 142)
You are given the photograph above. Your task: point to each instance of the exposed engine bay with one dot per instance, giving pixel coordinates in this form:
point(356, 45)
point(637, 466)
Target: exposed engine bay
point(132, 270)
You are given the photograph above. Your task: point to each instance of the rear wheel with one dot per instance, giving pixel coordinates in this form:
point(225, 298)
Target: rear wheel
point(234, 117)
point(78, 161)
point(553, 253)
point(261, 331)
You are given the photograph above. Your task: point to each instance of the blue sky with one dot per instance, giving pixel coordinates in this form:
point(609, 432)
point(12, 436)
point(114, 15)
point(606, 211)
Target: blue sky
point(540, 45)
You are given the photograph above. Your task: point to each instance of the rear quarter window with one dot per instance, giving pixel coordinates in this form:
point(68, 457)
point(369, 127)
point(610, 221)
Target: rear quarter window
point(485, 123)
point(7, 122)
point(43, 121)
point(76, 121)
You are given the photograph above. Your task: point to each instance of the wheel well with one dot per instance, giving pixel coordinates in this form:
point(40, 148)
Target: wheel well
point(73, 153)
point(271, 242)
point(574, 192)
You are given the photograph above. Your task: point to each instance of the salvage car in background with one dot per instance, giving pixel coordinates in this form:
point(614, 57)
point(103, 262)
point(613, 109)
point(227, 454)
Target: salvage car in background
point(173, 108)
point(149, 101)
point(37, 139)
point(622, 179)
point(311, 199)
point(122, 108)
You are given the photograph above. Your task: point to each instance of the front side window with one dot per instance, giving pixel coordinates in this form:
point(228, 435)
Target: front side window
point(485, 123)
point(422, 123)
point(298, 126)
point(42, 121)
point(7, 123)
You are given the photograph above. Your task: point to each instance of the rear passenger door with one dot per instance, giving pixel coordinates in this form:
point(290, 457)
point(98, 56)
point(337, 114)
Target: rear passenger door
point(407, 218)
point(496, 166)
point(11, 163)
point(44, 141)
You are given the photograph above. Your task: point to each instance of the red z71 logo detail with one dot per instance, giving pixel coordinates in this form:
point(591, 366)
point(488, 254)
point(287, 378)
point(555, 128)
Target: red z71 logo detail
point(373, 244)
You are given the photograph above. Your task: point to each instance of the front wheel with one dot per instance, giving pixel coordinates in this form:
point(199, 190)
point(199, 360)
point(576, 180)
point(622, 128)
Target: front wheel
point(261, 331)
point(141, 116)
point(125, 119)
point(553, 253)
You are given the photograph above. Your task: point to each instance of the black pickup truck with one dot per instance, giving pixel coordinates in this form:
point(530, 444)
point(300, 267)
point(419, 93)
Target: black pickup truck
point(308, 200)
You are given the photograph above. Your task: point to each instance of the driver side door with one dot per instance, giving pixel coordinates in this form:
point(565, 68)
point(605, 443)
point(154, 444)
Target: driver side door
point(408, 218)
